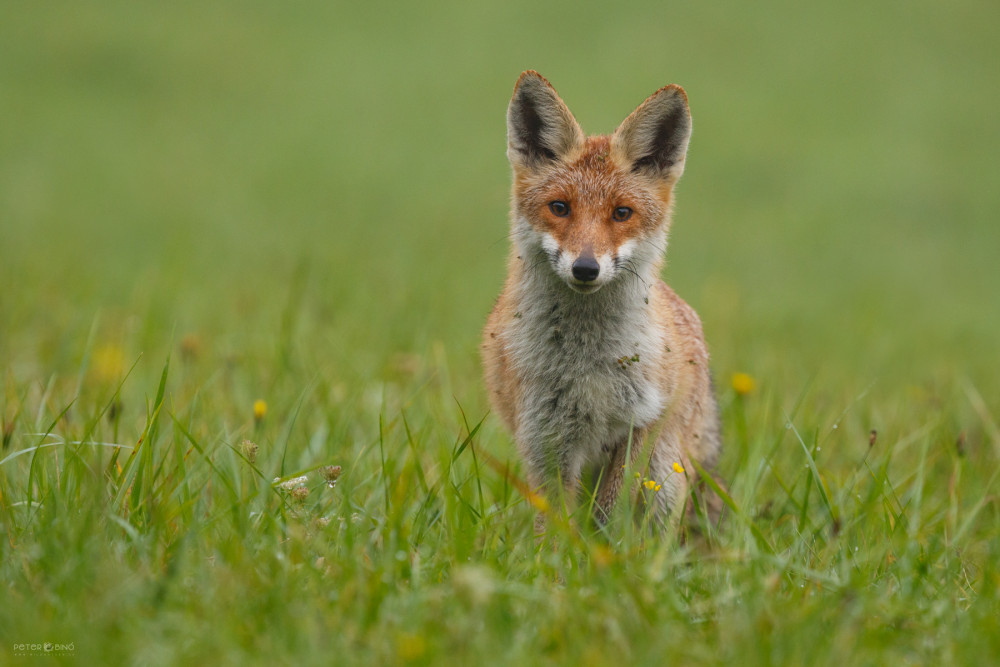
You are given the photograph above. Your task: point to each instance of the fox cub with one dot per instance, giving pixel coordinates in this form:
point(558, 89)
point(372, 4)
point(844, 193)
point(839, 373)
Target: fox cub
point(590, 359)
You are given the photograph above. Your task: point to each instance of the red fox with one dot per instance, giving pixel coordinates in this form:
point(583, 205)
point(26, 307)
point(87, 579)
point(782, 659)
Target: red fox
point(587, 353)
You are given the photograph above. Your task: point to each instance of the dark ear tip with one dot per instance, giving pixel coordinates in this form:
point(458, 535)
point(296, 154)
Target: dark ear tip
point(530, 76)
point(672, 91)
point(676, 90)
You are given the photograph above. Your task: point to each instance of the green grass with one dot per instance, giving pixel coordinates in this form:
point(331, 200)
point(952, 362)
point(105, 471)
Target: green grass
point(205, 205)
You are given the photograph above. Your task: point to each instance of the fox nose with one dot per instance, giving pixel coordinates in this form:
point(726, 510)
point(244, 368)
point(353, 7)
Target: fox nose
point(586, 268)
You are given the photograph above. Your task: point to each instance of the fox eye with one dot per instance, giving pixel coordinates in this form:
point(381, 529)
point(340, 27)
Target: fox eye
point(559, 208)
point(622, 213)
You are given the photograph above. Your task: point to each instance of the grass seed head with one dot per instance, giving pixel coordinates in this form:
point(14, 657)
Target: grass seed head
point(331, 474)
point(249, 449)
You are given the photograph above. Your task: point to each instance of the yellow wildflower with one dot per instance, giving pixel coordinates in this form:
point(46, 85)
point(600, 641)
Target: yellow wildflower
point(601, 555)
point(678, 468)
point(109, 363)
point(190, 347)
point(651, 485)
point(539, 501)
point(743, 383)
point(410, 646)
point(259, 409)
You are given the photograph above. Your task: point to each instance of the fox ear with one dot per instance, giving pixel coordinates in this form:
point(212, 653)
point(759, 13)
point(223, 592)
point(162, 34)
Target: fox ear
point(654, 138)
point(540, 127)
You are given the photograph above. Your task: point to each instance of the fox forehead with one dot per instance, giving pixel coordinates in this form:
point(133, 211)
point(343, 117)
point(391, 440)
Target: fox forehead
point(594, 183)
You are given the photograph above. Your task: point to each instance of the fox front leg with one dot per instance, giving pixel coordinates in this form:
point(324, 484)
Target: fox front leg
point(625, 453)
point(556, 479)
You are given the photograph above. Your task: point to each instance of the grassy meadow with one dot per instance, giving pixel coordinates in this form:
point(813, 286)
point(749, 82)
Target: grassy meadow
point(241, 243)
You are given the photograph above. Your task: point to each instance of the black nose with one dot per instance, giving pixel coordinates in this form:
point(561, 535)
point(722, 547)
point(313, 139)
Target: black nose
point(586, 269)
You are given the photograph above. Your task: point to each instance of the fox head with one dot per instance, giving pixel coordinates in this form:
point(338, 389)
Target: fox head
point(593, 208)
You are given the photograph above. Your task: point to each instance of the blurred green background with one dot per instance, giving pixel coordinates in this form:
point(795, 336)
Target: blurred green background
point(306, 203)
point(332, 176)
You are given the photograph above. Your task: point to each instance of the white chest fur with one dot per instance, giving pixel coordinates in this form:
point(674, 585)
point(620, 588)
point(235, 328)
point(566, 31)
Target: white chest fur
point(587, 364)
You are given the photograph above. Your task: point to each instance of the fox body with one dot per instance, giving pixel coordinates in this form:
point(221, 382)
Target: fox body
point(590, 359)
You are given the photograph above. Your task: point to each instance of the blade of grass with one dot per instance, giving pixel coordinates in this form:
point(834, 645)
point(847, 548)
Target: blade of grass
point(824, 494)
point(759, 537)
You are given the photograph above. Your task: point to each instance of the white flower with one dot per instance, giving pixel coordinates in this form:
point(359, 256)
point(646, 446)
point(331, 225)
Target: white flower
point(291, 484)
